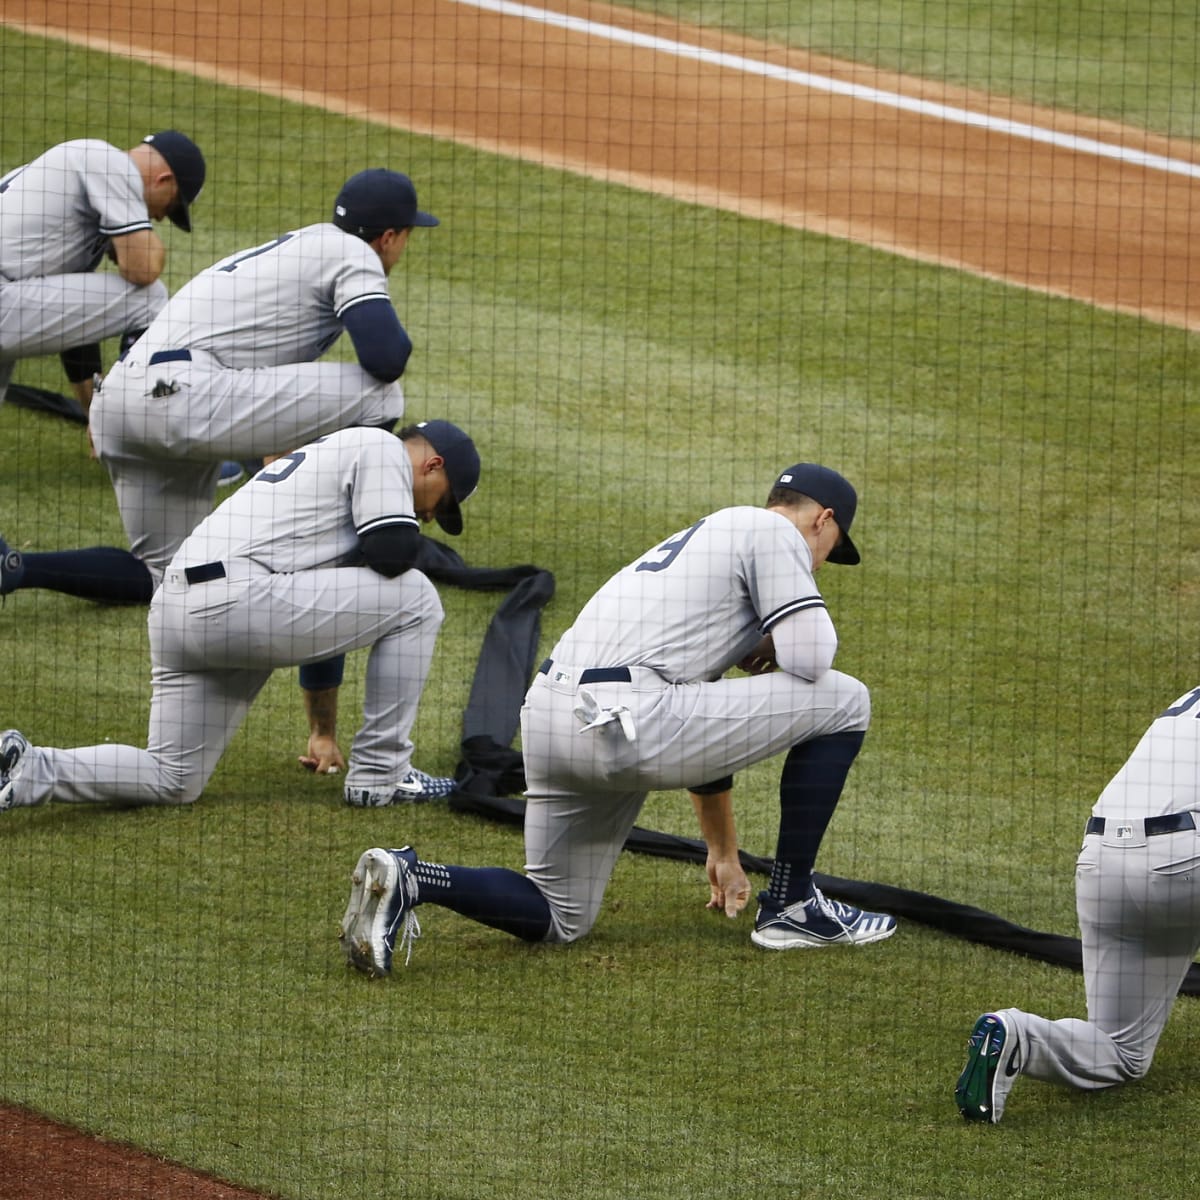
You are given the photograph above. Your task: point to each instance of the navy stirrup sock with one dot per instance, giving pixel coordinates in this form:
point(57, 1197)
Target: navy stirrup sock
point(103, 573)
point(810, 786)
point(495, 896)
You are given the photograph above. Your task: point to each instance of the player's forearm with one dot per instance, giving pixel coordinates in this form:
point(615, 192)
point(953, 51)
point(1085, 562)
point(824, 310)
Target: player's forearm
point(380, 341)
point(805, 644)
point(717, 825)
point(321, 708)
point(391, 550)
point(140, 257)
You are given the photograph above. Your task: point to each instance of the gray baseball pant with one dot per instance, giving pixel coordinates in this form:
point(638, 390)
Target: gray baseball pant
point(52, 313)
point(163, 452)
point(214, 646)
point(1138, 901)
point(585, 788)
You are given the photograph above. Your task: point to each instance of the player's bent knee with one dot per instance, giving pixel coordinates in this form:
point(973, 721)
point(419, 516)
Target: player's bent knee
point(175, 787)
point(564, 933)
point(155, 297)
point(569, 922)
point(854, 703)
point(426, 603)
point(177, 795)
point(1133, 1066)
point(575, 925)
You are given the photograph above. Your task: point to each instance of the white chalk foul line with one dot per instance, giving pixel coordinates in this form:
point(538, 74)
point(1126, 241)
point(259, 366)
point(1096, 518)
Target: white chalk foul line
point(836, 87)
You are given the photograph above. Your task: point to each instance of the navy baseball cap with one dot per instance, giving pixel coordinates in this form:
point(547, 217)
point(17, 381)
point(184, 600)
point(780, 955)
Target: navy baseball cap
point(187, 165)
point(829, 490)
point(378, 199)
point(462, 469)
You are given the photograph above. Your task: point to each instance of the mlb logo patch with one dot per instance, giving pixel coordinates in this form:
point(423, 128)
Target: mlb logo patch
point(1123, 831)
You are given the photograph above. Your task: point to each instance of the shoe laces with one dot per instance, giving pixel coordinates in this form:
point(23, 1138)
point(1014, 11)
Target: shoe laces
point(408, 925)
point(409, 932)
point(834, 910)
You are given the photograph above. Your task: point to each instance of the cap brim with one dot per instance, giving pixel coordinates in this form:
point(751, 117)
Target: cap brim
point(845, 553)
point(180, 216)
point(428, 220)
point(449, 517)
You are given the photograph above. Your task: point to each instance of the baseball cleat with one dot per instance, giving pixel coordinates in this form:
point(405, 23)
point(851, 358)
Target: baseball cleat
point(819, 921)
point(415, 788)
point(383, 893)
point(990, 1072)
point(12, 568)
point(13, 746)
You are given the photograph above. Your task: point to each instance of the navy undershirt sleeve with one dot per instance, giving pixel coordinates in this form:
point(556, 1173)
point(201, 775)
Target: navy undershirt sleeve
point(391, 550)
point(379, 339)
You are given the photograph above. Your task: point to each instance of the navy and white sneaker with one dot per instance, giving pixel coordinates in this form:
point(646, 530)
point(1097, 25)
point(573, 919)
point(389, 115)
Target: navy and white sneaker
point(819, 921)
point(383, 893)
point(990, 1072)
point(415, 788)
point(12, 568)
point(13, 747)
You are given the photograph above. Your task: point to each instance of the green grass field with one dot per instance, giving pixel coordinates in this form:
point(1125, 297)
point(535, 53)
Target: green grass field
point(1028, 601)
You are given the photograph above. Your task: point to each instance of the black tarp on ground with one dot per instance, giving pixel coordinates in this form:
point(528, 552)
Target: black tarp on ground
point(45, 401)
point(490, 772)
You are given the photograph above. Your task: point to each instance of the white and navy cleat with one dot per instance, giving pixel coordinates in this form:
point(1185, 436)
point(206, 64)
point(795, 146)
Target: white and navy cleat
point(415, 788)
point(819, 921)
point(383, 894)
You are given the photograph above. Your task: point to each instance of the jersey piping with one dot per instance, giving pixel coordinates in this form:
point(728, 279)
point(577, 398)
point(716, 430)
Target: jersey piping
point(121, 230)
point(802, 604)
point(382, 522)
point(369, 296)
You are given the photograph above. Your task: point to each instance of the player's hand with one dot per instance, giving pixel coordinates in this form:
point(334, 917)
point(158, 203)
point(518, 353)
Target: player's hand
point(758, 665)
point(323, 757)
point(760, 660)
point(729, 889)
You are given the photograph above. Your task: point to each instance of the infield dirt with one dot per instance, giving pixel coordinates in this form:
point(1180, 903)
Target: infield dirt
point(1062, 221)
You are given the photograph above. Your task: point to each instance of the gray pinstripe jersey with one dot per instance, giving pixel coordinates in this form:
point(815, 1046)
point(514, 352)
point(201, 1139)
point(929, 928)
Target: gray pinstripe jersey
point(58, 212)
point(1162, 775)
point(281, 302)
point(700, 601)
point(293, 515)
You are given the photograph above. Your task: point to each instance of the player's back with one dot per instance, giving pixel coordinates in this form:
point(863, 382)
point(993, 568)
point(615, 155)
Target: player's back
point(277, 303)
point(693, 605)
point(304, 510)
point(58, 212)
point(1162, 775)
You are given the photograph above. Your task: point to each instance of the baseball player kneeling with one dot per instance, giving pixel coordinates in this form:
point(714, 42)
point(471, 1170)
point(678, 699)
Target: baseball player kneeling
point(60, 216)
point(308, 560)
point(633, 700)
point(1137, 894)
point(233, 368)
